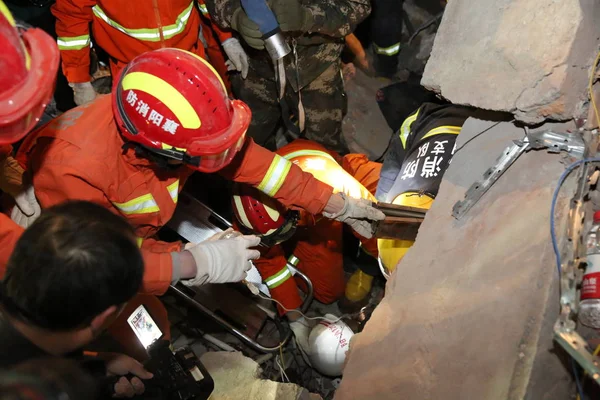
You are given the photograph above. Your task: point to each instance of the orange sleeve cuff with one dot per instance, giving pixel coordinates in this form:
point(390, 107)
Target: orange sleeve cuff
point(79, 73)
point(158, 272)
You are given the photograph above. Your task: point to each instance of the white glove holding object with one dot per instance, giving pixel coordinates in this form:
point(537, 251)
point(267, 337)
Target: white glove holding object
point(223, 261)
point(27, 209)
point(83, 92)
point(358, 214)
point(238, 59)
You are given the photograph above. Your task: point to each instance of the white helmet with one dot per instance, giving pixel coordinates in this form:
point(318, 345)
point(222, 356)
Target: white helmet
point(329, 344)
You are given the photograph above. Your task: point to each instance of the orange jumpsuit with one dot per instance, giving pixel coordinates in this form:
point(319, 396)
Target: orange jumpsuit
point(79, 156)
point(9, 231)
point(125, 29)
point(316, 247)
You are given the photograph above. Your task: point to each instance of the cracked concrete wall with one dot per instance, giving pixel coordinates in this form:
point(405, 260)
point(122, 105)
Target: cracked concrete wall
point(528, 57)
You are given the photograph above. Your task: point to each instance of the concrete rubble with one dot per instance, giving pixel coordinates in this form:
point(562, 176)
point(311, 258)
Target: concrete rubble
point(238, 378)
point(528, 57)
point(469, 312)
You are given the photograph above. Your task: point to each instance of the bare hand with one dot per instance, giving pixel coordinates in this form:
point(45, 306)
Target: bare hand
point(121, 365)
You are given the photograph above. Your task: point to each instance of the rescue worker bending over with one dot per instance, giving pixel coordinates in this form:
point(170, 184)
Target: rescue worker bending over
point(126, 29)
point(29, 61)
point(315, 247)
point(69, 277)
point(132, 152)
point(419, 154)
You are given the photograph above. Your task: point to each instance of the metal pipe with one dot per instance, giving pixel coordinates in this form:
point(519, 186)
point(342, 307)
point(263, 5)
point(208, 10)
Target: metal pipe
point(234, 331)
point(219, 343)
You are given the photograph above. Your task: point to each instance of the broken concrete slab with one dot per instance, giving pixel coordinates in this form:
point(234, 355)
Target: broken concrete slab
point(237, 377)
point(364, 127)
point(468, 313)
point(528, 57)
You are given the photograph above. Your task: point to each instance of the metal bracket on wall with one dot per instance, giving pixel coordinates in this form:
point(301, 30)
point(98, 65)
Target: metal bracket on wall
point(571, 143)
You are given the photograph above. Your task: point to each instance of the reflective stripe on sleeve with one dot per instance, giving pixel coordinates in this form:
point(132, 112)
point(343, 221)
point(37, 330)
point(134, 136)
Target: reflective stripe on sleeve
point(275, 176)
point(73, 43)
point(301, 153)
point(173, 189)
point(140, 205)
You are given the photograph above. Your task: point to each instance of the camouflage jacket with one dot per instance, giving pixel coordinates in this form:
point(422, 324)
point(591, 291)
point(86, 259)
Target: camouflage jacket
point(334, 19)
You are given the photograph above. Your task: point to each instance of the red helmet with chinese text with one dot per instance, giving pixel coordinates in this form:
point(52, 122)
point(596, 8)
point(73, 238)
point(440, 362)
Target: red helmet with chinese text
point(173, 103)
point(28, 66)
point(262, 215)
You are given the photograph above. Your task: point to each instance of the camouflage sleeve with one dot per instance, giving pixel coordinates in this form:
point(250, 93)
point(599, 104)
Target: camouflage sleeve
point(221, 11)
point(338, 18)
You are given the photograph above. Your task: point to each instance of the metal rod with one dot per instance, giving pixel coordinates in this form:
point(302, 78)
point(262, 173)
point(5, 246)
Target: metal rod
point(234, 331)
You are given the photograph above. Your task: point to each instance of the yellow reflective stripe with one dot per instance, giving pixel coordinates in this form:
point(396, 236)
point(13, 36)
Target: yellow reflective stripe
point(203, 9)
point(388, 51)
point(165, 146)
point(73, 43)
point(405, 128)
point(166, 94)
point(443, 130)
point(173, 189)
point(140, 241)
point(278, 171)
point(301, 153)
point(149, 34)
point(293, 260)
point(275, 280)
point(141, 205)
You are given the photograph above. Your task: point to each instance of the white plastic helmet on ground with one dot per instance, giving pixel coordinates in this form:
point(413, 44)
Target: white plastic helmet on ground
point(329, 344)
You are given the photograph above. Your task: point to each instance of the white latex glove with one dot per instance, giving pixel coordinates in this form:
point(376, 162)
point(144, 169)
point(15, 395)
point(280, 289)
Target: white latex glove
point(223, 261)
point(83, 92)
point(301, 328)
point(359, 214)
point(226, 234)
point(27, 209)
point(238, 59)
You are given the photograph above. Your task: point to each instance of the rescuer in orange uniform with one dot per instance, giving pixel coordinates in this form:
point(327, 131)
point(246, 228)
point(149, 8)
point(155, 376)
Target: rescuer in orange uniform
point(28, 64)
point(169, 116)
point(315, 246)
point(126, 29)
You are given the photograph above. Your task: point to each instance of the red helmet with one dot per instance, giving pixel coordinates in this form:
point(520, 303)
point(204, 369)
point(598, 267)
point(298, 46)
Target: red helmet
point(174, 103)
point(262, 215)
point(28, 66)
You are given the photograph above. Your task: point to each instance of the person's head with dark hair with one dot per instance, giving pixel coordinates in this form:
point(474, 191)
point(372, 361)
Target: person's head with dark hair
point(70, 274)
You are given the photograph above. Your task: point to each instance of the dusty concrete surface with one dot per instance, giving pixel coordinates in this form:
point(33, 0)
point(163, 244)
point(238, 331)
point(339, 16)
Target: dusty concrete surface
point(364, 126)
point(528, 57)
point(468, 313)
point(237, 378)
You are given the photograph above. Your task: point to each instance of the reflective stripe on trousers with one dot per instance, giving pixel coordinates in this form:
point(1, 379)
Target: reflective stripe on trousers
point(277, 279)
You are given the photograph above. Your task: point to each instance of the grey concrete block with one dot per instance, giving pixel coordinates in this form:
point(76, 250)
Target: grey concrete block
point(528, 57)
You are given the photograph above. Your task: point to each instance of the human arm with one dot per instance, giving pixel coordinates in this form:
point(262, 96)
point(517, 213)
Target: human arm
point(335, 18)
point(10, 232)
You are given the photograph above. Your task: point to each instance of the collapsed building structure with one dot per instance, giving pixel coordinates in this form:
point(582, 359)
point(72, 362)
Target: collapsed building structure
point(476, 309)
